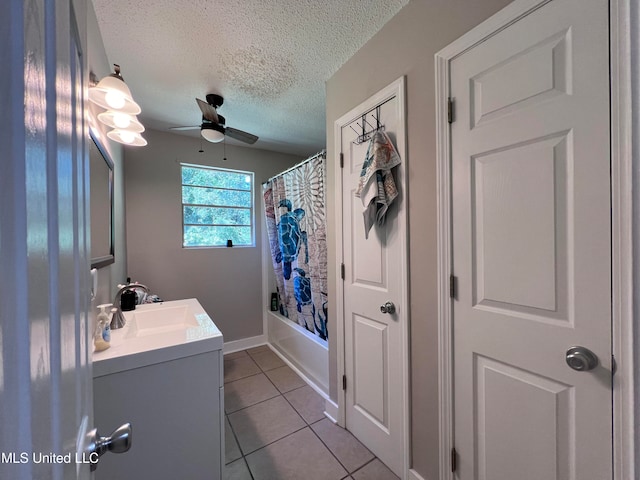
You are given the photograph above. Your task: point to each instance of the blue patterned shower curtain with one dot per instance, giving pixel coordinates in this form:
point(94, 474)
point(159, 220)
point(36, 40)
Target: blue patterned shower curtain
point(296, 223)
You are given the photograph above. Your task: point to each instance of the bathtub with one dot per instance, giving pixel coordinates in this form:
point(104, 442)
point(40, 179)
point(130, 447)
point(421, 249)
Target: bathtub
point(306, 352)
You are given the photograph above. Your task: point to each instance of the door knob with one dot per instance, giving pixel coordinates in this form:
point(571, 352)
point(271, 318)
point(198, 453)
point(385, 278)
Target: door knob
point(388, 307)
point(118, 442)
point(581, 359)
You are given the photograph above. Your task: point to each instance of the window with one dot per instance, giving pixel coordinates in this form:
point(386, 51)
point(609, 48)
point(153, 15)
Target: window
point(217, 206)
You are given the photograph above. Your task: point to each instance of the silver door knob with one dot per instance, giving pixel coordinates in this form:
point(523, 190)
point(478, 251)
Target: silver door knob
point(118, 442)
point(581, 359)
point(388, 307)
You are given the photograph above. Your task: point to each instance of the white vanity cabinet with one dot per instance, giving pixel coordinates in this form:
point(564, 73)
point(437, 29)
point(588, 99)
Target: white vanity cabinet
point(173, 396)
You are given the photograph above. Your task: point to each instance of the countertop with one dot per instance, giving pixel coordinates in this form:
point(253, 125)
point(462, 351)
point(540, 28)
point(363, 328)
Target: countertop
point(134, 346)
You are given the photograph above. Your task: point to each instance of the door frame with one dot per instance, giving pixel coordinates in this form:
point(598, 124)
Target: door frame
point(395, 89)
point(621, 224)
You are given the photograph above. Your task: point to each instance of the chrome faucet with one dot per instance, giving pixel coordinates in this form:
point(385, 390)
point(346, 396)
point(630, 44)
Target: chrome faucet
point(118, 319)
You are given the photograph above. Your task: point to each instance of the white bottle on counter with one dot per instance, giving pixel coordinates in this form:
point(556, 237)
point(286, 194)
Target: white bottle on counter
point(102, 336)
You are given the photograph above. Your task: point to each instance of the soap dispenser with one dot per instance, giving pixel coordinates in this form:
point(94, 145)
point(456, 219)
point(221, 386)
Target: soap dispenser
point(102, 335)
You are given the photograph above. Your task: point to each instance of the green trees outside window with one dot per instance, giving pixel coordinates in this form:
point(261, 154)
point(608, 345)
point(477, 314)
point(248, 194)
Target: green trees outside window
point(217, 206)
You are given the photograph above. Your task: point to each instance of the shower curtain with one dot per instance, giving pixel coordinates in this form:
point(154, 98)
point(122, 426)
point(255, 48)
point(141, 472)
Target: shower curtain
point(296, 224)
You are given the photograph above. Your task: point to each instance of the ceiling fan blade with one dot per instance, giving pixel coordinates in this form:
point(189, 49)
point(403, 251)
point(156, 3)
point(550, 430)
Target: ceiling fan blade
point(208, 111)
point(240, 135)
point(191, 127)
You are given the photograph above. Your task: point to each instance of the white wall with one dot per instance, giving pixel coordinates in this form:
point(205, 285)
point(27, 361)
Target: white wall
point(226, 281)
point(406, 46)
point(111, 275)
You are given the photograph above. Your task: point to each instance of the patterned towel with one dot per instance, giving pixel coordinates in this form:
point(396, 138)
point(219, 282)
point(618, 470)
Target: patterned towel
point(376, 187)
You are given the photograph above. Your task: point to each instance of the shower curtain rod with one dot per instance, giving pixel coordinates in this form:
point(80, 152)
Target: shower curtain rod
point(313, 157)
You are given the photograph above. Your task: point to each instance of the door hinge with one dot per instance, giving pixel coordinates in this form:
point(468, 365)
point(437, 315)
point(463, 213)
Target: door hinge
point(342, 270)
point(344, 382)
point(614, 365)
point(452, 286)
point(341, 160)
point(454, 459)
point(450, 110)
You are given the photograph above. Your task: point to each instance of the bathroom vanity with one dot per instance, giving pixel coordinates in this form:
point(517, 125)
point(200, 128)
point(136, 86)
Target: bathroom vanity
point(164, 374)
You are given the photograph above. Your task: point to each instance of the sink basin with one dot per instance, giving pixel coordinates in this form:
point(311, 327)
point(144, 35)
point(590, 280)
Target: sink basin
point(159, 321)
point(158, 332)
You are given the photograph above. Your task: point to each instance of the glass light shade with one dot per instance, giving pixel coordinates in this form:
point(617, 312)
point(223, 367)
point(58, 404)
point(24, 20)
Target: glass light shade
point(115, 99)
point(121, 121)
point(127, 137)
point(112, 93)
point(212, 134)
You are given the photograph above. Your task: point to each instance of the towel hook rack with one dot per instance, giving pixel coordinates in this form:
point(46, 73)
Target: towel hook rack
point(366, 134)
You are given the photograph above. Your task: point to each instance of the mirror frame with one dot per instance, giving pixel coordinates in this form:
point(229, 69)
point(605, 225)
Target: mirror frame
point(109, 258)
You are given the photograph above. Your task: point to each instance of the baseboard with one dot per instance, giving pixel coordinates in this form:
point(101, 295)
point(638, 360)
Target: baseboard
point(244, 343)
point(413, 475)
point(331, 410)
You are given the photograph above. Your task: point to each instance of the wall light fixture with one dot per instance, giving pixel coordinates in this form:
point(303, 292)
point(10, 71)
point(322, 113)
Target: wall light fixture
point(112, 94)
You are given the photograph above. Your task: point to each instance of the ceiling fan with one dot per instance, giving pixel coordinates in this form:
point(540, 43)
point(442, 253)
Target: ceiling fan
point(213, 126)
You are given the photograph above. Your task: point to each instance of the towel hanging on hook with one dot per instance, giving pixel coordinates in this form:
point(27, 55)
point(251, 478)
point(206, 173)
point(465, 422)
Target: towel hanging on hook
point(376, 186)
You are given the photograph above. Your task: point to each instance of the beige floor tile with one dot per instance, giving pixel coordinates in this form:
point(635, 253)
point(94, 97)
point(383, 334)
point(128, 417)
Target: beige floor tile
point(264, 423)
point(351, 453)
point(267, 360)
point(231, 449)
point(307, 403)
point(247, 391)
point(241, 353)
point(261, 348)
point(375, 470)
point(239, 367)
point(300, 456)
point(273, 435)
point(237, 471)
point(285, 379)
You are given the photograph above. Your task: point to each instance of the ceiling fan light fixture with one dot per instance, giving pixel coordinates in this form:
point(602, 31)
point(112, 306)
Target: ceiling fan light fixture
point(121, 121)
point(212, 132)
point(127, 137)
point(112, 93)
point(213, 128)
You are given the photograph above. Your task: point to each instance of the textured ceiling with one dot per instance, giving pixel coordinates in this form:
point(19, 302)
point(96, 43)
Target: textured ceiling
point(269, 59)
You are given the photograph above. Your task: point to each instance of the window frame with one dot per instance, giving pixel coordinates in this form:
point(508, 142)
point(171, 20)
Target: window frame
point(251, 208)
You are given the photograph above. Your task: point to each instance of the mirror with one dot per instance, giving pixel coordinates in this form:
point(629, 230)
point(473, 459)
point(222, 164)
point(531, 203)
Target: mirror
point(101, 184)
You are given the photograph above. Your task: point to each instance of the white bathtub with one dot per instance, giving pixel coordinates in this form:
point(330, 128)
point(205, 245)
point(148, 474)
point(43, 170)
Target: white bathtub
point(306, 352)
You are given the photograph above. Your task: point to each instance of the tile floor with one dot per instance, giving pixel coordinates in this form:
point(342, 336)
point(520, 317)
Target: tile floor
point(276, 428)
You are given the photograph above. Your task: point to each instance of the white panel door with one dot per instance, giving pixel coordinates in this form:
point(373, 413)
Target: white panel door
point(45, 373)
point(531, 247)
point(375, 273)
